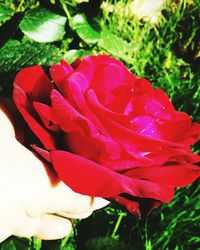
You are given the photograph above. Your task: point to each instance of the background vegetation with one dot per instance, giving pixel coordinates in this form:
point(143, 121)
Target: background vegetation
point(166, 52)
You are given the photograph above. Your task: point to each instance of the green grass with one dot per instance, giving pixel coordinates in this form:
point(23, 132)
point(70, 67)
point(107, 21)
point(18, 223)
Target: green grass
point(167, 54)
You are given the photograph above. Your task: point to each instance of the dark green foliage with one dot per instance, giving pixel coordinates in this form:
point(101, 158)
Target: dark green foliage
point(14, 243)
point(16, 55)
point(106, 244)
point(166, 53)
point(5, 13)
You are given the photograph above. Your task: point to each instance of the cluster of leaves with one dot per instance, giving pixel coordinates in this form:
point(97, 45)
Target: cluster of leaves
point(167, 53)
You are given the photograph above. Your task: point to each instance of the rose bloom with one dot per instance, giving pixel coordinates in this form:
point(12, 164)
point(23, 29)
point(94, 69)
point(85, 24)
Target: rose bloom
point(108, 133)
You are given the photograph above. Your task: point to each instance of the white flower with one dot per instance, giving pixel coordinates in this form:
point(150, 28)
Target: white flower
point(148, 10)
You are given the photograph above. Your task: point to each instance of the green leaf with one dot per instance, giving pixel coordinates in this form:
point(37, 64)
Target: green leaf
point(74, 54)
point(22, 243)
point(85, 31)
point(15, 55)
point(16, 243)
point(37, 243)
point(8, 245)
point(43, 25)
point(5, 13)
point(114, 44)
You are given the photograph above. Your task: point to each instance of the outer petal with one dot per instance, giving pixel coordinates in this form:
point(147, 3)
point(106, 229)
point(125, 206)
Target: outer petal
point(83, 145)
point(34, 83)
point(194, 134)
point(42, 152)
point(143, 88)
point(87, 177)
point(104, 59)
point(139, 207)
point(131, 206)
point(162, 97)
point(179, 175)
point(177, 129)
point(173, 155)
point(26, 110)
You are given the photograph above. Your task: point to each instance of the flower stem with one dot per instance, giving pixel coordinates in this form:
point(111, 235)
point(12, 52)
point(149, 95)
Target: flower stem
point(66, 11)
point(121, 215)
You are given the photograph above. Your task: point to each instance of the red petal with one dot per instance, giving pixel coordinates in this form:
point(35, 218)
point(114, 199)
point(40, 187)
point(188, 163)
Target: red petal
point(143, 88)
point(79, 99)
point(83, 145)
point(107, 78)
point(46, 115)
point(175, 131)
point(34, 83)
point(102, 111)
point(194, 134)
point(174, 155)
point(162, 98)
point(137, 143)
point(89, 178)
point(176, 175)
point(66, 65)
point(71, 120)
point(86, 68)
point(53, 177)
point(79, 80)
point(25, 108)
point(68, 117)
point(44, 153)
point(59, 74)
point(105, 59)
point(146, 126)
point(131, 206)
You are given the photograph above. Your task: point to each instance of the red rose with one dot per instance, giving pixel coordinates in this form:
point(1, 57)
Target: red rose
point(108, 133)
